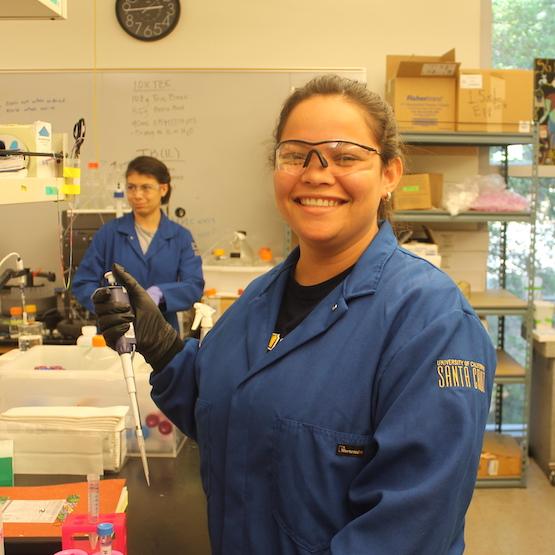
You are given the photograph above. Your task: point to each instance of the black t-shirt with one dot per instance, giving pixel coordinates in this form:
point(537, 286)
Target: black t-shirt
point(299, 300)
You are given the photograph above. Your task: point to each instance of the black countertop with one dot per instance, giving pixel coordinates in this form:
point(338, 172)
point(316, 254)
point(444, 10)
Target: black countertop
point(167, 518)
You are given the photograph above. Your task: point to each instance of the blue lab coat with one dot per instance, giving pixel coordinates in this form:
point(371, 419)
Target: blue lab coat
point(171, 263)
point(359, 433)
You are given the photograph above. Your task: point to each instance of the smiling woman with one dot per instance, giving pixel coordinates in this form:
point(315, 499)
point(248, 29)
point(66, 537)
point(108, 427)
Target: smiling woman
point(319, 402)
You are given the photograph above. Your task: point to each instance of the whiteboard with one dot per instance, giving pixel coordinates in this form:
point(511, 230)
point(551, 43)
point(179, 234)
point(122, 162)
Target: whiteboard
point(213, 128)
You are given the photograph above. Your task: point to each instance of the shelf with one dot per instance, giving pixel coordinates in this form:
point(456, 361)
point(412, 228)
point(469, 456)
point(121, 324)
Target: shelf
point(471, 216)
point(497, 302)
point(526, 171)
point(31, 189)
point(516, 482)
point(508, 369)
point(469, 139)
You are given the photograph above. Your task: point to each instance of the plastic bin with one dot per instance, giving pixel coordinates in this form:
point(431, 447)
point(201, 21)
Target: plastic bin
point(49, 375)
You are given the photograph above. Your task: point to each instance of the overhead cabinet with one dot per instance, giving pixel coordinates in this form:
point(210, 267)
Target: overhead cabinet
point(33, 9)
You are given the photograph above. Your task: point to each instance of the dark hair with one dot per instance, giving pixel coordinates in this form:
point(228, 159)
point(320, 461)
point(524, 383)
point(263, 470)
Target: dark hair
point(148, 165)
point(379, 116)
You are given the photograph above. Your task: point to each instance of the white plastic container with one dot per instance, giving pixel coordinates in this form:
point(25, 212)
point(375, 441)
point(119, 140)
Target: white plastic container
point(67, 375)
point(543, 314)
point(87, 333)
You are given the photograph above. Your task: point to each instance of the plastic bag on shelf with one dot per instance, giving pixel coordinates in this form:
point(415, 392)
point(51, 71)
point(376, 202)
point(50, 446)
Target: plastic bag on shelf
point(458, 197)
point(495, 197)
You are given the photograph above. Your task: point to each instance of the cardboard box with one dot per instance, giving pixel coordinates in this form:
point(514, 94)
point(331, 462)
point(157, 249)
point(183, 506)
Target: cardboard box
point(501, 457)
point(464, 254)
point(461, 240)
point(477, 279)
point(422, 91)
point(495, 100)
point(418, 191)
point(464, 260)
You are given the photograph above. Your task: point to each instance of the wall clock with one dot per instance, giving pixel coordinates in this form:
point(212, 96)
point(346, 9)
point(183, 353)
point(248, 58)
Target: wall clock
point(148, 19)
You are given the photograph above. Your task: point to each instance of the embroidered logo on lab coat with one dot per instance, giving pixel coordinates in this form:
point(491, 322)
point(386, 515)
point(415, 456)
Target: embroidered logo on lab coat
point(461, 373)
point(274, 340)
point(344, 450)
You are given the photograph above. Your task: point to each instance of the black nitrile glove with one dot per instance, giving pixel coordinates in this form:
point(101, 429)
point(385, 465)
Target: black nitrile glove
point(156, 340)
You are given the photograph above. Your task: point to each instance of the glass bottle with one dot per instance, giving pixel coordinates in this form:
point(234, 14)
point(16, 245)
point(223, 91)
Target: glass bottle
point(242, 247)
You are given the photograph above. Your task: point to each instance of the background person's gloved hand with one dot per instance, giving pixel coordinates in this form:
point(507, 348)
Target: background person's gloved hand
point(155, 293)
point(157, 340)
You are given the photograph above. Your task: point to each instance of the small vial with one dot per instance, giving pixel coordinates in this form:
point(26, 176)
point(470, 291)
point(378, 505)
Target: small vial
point(31, 310)
point(16, 320)
point(105, 531)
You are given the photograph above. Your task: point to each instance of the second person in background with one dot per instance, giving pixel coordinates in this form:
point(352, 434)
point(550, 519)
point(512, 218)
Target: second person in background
point(161, 254)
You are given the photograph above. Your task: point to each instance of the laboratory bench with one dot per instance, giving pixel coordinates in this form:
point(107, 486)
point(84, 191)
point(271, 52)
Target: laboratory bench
point(167, 517)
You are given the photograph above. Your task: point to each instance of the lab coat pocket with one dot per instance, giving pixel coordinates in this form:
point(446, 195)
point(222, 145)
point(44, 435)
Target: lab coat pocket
point(313, 468)
point(202, 419)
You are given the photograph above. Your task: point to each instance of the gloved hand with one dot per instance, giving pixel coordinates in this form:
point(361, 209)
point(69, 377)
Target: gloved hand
point(157, 340)
point(155, 293)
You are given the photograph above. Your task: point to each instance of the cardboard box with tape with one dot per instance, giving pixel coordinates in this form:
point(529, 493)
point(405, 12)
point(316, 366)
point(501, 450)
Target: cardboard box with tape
point(422, 91)
point(501, 457)
point(419, 191)
point(495, 100)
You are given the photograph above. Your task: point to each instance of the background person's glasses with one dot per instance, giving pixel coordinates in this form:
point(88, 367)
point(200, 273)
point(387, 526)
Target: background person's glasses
point(131, 188)
point(340, 157)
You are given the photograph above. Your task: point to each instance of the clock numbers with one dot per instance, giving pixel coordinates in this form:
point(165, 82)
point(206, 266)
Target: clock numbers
point(148, 19)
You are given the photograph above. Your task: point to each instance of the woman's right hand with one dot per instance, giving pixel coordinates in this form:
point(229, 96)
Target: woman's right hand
point(156, 340)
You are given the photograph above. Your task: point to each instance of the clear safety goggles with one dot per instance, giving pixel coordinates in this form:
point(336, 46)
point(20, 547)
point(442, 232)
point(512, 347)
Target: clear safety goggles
point(340, 157)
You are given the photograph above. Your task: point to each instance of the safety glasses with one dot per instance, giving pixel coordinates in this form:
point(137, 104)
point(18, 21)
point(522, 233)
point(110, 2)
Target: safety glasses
point(340, 157)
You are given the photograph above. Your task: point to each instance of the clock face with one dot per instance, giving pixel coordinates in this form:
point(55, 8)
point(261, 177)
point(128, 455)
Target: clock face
point(148, 19)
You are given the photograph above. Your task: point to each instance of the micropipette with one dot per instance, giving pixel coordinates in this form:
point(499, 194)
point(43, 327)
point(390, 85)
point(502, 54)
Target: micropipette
point(125, 346)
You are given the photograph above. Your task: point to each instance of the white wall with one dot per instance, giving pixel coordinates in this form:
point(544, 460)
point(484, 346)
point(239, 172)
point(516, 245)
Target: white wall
point(253, 33)
point(243, 33)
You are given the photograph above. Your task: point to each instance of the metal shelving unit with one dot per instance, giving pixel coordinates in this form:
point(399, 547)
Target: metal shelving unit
point(500, 302)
